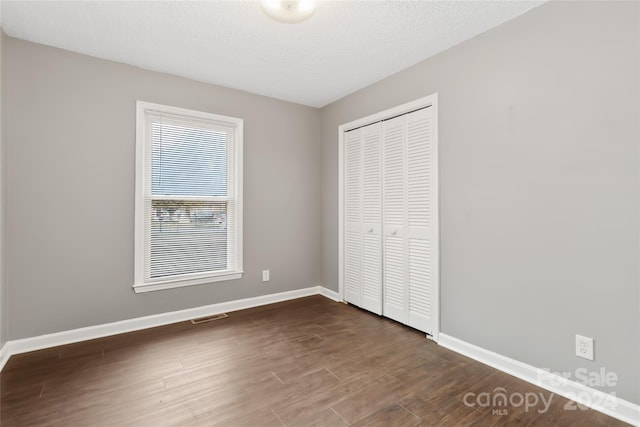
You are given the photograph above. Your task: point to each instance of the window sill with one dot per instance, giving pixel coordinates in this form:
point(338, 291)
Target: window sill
point(160, 285)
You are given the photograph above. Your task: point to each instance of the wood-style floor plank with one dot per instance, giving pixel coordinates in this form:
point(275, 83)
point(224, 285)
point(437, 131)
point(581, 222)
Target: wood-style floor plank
point(306, 362)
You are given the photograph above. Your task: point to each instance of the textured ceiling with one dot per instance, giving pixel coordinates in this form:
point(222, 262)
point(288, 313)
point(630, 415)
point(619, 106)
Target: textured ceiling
point(343, 47)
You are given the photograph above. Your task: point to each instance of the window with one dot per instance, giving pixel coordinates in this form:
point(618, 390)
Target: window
point(188, 198)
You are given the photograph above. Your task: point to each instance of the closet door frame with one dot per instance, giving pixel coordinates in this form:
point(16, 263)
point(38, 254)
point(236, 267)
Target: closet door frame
point(430, 101)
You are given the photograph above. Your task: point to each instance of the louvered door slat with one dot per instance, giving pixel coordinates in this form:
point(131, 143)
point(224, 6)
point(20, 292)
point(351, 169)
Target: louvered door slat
point(371, 271)
point(394, 284)
point(419, 278)
point(371, 174)
point(352, 173)
point(352, 267)
point(419, 169)
point(393, 171)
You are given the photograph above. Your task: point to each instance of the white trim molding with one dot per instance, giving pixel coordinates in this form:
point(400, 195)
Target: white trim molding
point(581, 394)
point(98, 331)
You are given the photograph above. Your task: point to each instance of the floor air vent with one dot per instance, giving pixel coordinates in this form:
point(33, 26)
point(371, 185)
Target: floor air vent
point(209, 318)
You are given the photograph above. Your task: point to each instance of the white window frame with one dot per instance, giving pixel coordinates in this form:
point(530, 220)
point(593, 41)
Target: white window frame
point(142, 193)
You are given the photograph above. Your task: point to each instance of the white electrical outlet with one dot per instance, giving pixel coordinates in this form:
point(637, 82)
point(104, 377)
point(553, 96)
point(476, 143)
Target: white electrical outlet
point(584, 347)
point(265, 275)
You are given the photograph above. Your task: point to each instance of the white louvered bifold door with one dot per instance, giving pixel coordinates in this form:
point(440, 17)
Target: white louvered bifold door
point(421, 228)
point(353, 217)
point(371, 220)
point(408, 242)
point(394, 212)
point(362, 244)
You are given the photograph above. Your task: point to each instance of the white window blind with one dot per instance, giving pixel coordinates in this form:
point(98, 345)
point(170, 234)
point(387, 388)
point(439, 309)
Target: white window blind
point(188, 197)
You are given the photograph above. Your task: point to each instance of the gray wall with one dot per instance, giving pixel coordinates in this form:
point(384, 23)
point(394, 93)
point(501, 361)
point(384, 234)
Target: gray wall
point(539, 178)
point(70, 139)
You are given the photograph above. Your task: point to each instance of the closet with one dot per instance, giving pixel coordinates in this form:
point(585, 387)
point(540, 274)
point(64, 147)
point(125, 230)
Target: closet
point(389, 214)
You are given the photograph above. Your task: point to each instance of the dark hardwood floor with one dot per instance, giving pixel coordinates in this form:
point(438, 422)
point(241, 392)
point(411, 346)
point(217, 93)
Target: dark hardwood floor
point(307, 362)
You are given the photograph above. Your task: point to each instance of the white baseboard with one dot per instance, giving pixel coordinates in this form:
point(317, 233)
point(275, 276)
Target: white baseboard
point(328, 293)
point(4, 355)
point(580, 393)
point(98, 331)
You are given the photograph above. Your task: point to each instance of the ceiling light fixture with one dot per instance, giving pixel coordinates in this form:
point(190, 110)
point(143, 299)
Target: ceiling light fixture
point(289, 11)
